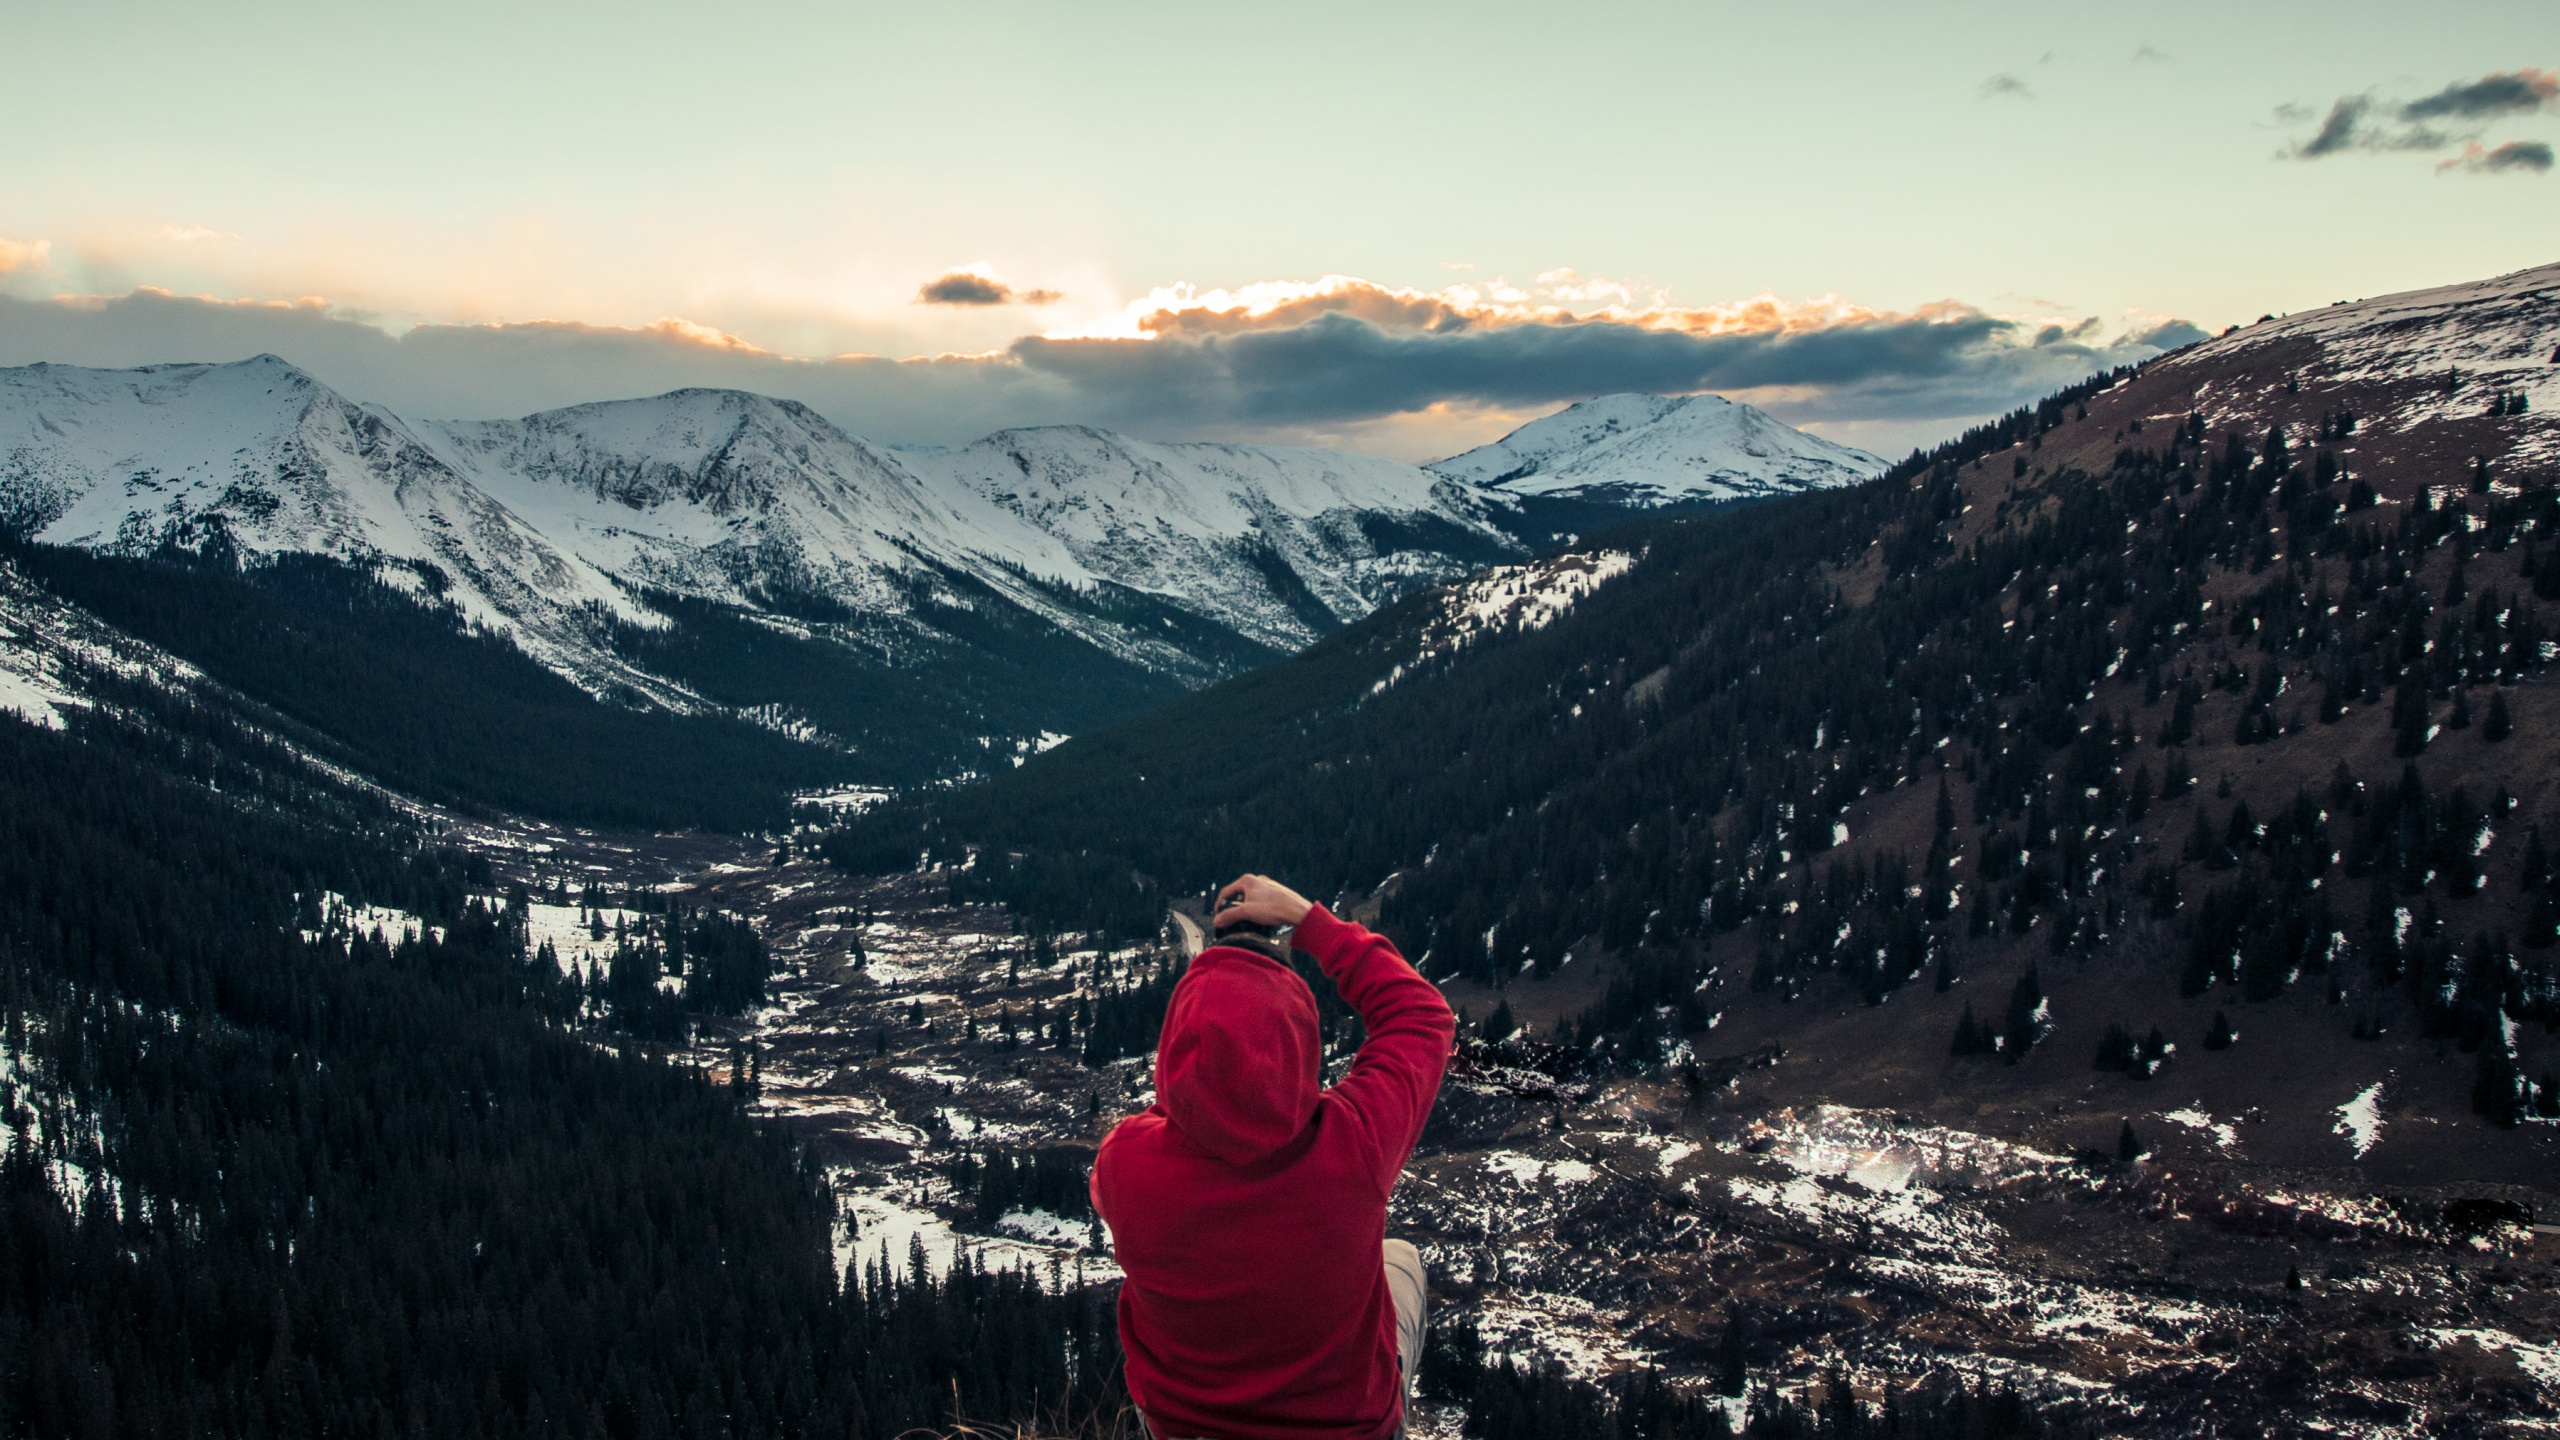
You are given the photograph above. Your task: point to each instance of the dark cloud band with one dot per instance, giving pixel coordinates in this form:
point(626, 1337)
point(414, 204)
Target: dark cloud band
point(1339, 367)
point(964, 287)
point(2362, 123)
point(2519, 92)
point(1252, 380)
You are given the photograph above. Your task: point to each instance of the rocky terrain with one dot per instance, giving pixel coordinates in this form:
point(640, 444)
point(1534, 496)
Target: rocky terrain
point(1608, 1220)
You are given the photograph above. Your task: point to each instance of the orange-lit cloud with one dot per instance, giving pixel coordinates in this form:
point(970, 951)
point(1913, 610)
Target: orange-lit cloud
point(25, 254)
point(2514, 155)
point(1557, 297)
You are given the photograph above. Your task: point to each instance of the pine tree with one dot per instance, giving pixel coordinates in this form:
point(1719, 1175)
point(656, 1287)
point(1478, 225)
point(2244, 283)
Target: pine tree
point(1971, 1037)
point(2220, 1036)
point(1733, 1356)
point(2027, 1017)
point(2155, 1050)
point(2499, 724)
point(2128, 1145)
point(2409, 719)
point(2499, 1091)
point(2116, 1049)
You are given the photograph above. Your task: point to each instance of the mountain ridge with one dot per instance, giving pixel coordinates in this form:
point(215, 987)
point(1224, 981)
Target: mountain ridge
point(1653, 450)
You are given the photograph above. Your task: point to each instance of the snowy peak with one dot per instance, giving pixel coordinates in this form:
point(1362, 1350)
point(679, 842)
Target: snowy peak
point(260, 458)
point(729, 496)
point(1660, 450)
point(724, 450)
point(1281, 544)
point(1179, 560)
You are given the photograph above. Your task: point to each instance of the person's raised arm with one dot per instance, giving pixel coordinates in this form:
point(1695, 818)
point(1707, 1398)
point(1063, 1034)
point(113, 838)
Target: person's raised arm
point(1396, 1077)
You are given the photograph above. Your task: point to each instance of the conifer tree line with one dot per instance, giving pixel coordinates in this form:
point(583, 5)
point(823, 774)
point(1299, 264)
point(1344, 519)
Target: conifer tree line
point(1504, 1399)
point(1051, 1178)
point(352, 667)
point(720, 960)
point(1529, 794)
point(260, 1184)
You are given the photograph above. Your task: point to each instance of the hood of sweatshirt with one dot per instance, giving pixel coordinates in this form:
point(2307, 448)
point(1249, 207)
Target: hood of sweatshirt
point(1237, 1063)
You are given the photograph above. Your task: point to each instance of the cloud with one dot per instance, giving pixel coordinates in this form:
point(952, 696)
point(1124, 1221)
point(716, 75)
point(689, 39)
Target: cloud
point(2517, 92)
point(33, 255)
point(2005, 86)
point(1340, 361)
point(2168, 335)
point(2514, 155)
point(1334, 350)
point(2349, 127)
point(2151, 54)
point(971, 287)
point(2361, 122)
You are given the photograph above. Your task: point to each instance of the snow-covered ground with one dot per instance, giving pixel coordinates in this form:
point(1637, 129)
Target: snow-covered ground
point(580, 939)
point(1605, 1230)
point(2489, 337)
point(342, 916)
point(1510, 599)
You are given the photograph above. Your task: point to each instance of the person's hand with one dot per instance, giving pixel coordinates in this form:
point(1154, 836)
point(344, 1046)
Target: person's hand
point(1258, 900)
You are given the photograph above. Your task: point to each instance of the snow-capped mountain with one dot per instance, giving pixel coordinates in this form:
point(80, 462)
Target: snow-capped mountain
point(726, 495)
point(1659, 450)
point(743, 500)
point(1281, 544)
point(1179, 561)
point(259, 456)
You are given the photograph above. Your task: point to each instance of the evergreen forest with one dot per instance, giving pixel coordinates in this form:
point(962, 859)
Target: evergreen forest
point(1667, 771)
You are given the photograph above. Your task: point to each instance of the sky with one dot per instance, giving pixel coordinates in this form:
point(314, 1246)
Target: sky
point(1396, 228)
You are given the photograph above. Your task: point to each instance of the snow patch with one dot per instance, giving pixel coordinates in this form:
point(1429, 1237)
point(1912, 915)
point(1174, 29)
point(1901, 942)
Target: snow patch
point(2360, 1119)
point(2225, 1134)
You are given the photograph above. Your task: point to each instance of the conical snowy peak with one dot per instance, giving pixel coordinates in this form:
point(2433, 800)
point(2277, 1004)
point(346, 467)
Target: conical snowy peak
point(1660, 450)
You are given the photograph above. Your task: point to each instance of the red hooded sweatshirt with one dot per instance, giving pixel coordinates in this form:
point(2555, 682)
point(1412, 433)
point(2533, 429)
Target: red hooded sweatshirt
point(1247, 1206)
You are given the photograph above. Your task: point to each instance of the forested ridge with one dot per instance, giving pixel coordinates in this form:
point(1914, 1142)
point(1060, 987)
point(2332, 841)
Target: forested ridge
point(2021, 643)
point(261, 1184)
point(359, 671)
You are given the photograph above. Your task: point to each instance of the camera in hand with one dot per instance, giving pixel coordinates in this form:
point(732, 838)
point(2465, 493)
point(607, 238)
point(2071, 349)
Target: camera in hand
point(1247, 927)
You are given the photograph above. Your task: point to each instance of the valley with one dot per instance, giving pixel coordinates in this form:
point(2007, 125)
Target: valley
point(2239, 1274)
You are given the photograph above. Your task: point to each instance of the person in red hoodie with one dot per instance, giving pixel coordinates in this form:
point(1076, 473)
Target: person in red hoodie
point(1248, 1205)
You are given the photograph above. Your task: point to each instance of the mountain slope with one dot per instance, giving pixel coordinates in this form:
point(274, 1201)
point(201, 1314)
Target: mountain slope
point(718, 554)
point(2224, 720)
point(1281, 544)
point(257, 458)
point(1651, 450)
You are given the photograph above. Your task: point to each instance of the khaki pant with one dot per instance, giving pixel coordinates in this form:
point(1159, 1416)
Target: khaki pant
point(1413, 1301)
point(1412, 1298)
